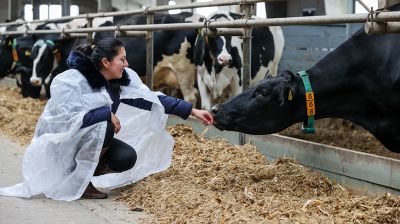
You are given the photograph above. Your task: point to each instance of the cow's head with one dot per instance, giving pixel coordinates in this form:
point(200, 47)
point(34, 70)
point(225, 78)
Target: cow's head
point(6, 55)
point(15, 53)
point(23, 46)
point(266, 108)
point(218, 51)
point(45, 55)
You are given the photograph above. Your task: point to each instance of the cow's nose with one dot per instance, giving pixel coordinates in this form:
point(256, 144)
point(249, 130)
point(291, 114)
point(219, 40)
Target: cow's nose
point(215, 109)
point(224, 60)
point(36, 82)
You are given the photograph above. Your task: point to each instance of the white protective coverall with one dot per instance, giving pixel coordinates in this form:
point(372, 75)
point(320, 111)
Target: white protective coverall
point(62, 157)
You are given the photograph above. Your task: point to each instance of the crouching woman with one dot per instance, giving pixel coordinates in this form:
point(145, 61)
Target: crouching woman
point(102, 127)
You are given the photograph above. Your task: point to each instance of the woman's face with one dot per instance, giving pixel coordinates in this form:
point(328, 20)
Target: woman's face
point(113, 69)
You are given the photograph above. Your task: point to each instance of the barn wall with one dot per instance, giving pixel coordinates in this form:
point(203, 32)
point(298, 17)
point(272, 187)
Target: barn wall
point(306, 45)
point(3, 10)
point(296, 7)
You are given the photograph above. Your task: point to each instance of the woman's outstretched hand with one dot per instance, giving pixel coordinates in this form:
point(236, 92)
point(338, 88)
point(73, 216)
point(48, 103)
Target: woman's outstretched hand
point(203, 115)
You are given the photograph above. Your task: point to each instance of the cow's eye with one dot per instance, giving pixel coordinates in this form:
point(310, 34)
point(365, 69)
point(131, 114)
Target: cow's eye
point(261, 93)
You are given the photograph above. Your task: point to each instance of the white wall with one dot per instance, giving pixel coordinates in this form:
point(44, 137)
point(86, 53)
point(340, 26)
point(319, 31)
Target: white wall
point(123, 5)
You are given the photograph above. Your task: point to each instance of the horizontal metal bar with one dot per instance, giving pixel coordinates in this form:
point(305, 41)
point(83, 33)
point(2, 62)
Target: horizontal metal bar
point(224, 32)
point(131, 33)
point(43, 31)
point(148, 9)
point(381, 28)
point(73, 35)
point(311, 20)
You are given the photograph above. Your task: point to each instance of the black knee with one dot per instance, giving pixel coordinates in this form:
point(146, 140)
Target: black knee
point(121, 156)
point(109, 135)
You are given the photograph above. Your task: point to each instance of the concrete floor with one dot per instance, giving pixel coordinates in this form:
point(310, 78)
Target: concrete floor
point(41, 210)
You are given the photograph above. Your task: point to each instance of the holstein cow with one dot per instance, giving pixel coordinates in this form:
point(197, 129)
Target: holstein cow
point(359, 81)
point(173, 53)
point(49, 53)
point(15, 54)
point(219, 61)
point(7, 64)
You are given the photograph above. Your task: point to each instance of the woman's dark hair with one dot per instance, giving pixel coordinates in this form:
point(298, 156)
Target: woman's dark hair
point(106, 48)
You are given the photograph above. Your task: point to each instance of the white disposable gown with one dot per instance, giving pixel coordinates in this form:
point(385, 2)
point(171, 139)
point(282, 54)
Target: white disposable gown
point(62, 157)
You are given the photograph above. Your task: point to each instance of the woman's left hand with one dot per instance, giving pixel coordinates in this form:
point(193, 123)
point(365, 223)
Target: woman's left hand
point(203, 115)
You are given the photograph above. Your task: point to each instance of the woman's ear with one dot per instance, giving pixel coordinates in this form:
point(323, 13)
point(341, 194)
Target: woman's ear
point(105, 62)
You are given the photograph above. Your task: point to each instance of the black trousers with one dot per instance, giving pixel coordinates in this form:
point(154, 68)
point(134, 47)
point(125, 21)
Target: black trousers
point(119, 156)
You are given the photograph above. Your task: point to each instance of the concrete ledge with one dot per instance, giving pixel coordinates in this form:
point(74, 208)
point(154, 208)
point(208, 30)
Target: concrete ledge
point(362, 173)
point(10, 82)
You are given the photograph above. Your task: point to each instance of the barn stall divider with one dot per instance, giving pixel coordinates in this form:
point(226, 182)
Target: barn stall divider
point(361, 172)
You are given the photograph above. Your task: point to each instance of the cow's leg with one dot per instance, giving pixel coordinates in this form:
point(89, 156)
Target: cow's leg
point(186, 75)
point(205, 95)
point(165, 80)
point(184, 71)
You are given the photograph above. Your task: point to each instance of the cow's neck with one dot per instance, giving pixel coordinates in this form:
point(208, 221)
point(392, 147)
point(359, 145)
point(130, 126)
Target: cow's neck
point(339, 87)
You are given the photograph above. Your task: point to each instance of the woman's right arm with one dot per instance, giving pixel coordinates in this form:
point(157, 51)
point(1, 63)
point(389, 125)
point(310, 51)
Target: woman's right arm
point(96, 115)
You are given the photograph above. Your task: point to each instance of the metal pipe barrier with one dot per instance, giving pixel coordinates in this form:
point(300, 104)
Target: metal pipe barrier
point(240, 23)
point(148, 9)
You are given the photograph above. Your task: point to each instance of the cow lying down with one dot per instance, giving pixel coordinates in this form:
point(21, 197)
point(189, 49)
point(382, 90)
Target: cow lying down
point(359, 81)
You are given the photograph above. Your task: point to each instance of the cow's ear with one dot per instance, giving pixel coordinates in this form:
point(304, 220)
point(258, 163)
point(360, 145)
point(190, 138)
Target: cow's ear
point(289, 76)
point(199, 50)
point(287, 87)
point(285, 93)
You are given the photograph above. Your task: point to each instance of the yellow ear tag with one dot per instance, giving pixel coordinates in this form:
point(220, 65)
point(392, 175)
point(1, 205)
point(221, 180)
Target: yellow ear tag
point(290, 95)
point(27, 53)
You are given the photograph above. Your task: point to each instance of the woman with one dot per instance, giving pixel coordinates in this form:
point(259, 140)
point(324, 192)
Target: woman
point(99, 96)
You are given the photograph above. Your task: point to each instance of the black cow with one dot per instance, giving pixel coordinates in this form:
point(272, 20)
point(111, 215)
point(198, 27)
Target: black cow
point(359, 81)
point(7, 64)
point(6, 56)
point(219, 60)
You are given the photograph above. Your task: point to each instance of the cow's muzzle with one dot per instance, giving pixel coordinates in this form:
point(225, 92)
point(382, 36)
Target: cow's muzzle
point(224, 60)
point(36, 81)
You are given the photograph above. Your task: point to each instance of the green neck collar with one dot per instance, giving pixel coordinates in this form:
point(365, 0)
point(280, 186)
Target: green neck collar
point(310, 104)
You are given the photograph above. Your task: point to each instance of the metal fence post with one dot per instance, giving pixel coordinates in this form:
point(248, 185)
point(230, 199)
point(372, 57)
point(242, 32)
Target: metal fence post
point(149, 51)
point(89, 34)
point(246, 58)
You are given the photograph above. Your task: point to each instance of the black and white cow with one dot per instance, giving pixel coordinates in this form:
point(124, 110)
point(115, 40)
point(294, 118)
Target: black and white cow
point(16, 54)
point(173, 52)
point(359, 81)
point(19, 54)
point(219, 60)
point(8, 61)
point(49, 53)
